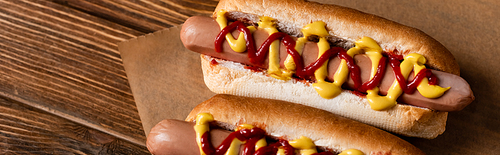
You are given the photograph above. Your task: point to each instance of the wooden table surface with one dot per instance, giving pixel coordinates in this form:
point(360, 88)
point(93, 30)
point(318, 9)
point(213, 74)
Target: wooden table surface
point(63, 89)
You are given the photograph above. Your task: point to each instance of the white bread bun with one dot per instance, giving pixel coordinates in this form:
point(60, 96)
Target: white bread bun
point(345, 25)
point(228, 77)
point(289, 121)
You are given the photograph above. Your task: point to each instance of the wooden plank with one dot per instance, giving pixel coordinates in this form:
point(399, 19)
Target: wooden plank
point(145, 16)
point(61, 57)
point(65, 61)
point(27, 130)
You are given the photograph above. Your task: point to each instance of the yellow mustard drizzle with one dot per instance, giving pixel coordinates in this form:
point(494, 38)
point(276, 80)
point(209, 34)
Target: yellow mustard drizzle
point(289, 62)
point(325, 89)
point(202, 126)
point(305, 145)
point(351, 152)
point(374, 52)
point(299, 46)
point(370, 48)
point(274, 69)
point(238, 45)
point(234, 148)
point(281, 151)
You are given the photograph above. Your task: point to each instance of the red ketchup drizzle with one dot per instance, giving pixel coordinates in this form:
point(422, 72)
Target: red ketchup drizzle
point(251, 136)
point(273, 148)
point(377, 78)
point(206, 144)
point(260, 55)
point(242, 28)
point(412, 85)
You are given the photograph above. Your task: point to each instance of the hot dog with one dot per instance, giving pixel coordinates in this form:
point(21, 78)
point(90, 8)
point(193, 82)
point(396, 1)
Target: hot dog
point(201, 41)
point(364, 47)
point(282, 122)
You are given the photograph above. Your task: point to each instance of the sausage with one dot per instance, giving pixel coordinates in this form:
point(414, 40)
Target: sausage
point(178, 137)
point(282, 124)
point(198, 35)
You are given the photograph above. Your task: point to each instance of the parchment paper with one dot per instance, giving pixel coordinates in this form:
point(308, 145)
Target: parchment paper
point(166, 79)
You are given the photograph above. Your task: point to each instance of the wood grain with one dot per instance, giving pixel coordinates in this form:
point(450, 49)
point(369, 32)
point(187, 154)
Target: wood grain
point(145, 16)
point(59, 65)
point(27, 130)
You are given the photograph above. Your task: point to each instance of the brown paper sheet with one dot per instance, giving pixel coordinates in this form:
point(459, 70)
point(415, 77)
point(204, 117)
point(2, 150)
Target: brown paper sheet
point(166, 79)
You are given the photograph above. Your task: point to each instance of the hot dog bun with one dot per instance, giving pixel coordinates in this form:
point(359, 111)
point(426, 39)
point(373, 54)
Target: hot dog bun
point(345, 25)
point(228, 77)
point(289, 121)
